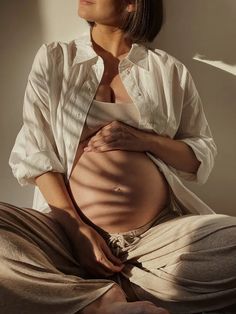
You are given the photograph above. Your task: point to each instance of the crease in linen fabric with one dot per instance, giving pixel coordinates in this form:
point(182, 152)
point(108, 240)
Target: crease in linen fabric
point(183, 263)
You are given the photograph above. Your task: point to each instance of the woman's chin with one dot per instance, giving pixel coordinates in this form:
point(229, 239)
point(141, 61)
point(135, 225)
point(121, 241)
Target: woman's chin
point(84, 14)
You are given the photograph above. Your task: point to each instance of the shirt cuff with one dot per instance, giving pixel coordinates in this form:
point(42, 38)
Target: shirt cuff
point(34, 165)
point(205, 155)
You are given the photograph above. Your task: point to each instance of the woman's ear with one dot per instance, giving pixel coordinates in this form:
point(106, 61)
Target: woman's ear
point(131, 7)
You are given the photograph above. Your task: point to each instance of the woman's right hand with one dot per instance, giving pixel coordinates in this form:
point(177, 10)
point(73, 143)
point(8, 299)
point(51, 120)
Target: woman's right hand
point(93, 253)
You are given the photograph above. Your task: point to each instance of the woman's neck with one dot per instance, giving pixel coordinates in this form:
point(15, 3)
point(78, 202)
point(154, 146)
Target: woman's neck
point(111, 40)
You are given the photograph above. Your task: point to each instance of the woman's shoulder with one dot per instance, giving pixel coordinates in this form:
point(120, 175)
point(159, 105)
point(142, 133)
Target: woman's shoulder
point(166, 59)
point(63, 51)
point(168, 65)
point(59, 50)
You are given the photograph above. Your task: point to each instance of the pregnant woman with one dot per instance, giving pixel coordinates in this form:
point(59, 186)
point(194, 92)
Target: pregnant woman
point(109, 128)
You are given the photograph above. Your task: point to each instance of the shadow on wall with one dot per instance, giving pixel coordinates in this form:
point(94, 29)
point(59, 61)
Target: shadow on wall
point(21, 36)
point(206, 30)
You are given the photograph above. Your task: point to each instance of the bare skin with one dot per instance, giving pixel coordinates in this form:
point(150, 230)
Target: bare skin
point(114, 302)
point(110, 198)
point(111, 88)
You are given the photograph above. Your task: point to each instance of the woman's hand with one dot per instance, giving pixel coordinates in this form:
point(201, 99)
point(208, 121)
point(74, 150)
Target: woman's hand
point(93, 254)
point(118, 136)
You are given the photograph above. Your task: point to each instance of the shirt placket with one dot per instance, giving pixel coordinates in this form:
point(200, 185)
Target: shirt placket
point(83, 99)
point(126, 75)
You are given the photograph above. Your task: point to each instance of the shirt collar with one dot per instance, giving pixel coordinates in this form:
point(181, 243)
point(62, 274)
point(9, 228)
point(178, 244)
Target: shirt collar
point(138, 54)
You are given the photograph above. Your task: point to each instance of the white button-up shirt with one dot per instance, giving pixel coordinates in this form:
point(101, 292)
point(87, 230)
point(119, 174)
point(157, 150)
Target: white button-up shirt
point(61, 86)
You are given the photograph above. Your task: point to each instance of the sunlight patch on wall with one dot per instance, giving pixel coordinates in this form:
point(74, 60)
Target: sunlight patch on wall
point(217, 64)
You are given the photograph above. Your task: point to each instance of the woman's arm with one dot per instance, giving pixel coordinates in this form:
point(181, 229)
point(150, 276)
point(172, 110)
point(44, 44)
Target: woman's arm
point(35, 160)
point(53, 188)
point(89, 247)
point(118, 135)
point(175, 153)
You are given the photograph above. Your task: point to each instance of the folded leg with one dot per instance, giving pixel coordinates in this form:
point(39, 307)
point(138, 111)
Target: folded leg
point(187, 264)
point(37, 270)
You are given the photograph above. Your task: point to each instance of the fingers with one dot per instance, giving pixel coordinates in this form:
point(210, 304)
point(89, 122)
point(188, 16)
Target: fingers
point(101, 146)
point(104, 137)
point(115, 260)
point(107, 262)
point(117, 136)
point(103, 267)
point(96, 257)
point(99, 141)
point(108, 265)
point(108, 134)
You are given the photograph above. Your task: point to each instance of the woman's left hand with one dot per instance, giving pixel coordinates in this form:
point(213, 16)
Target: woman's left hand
point(118, 136)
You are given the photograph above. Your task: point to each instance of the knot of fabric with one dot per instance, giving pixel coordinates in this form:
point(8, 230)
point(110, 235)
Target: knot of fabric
point(121, 243)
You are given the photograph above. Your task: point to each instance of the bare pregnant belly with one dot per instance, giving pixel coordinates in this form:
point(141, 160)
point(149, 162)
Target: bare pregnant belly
point(118, 190)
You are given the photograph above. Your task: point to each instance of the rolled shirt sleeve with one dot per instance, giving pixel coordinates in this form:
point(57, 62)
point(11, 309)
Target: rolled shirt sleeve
point(35, 151)
point(195, 132)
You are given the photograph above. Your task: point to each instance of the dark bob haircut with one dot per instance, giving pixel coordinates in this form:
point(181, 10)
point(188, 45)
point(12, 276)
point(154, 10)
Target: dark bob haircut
point(145, 23)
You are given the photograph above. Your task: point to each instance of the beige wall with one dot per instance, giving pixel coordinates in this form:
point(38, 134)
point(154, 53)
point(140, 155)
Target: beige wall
point(198, 32)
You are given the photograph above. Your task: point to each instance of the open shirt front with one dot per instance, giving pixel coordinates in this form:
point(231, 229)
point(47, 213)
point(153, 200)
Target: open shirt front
point(61, 86)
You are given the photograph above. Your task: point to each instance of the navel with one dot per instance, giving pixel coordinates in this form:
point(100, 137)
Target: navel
point(117, 189)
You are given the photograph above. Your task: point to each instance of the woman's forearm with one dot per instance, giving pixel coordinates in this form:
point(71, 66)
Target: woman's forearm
point(119, 136)
point(53, 188)
point(175, 153)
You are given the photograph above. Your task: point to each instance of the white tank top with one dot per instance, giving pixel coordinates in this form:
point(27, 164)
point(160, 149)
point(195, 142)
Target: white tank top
point(102, 113)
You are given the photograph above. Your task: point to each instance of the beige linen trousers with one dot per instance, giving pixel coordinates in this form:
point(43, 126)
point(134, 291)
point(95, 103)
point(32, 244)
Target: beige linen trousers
point(186, 264)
